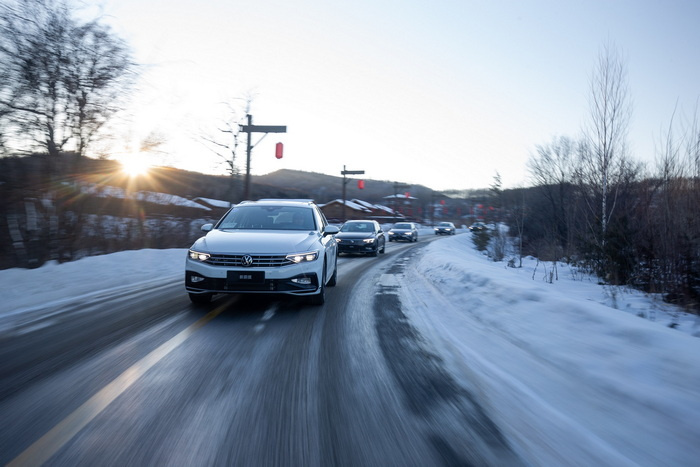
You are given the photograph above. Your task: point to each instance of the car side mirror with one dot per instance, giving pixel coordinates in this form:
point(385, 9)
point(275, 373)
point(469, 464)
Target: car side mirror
point(330, 230)
point(207, 227)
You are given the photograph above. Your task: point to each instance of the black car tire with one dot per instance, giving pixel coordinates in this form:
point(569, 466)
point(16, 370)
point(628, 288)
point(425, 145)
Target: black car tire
point(320, 298)
point(334, 278)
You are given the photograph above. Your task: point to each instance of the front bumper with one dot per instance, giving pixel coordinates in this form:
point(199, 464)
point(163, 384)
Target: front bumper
point(297, 279)
point(406, 237)
point(358, 247)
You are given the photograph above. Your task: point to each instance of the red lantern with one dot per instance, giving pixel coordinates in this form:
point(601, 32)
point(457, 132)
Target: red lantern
point(279, 148)
point(361, 184)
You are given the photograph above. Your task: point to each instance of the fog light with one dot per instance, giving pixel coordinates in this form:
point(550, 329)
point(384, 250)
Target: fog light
point(194, 279)
point(302, 280)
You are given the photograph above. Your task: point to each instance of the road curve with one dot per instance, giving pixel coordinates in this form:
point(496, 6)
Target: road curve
point(151, 379)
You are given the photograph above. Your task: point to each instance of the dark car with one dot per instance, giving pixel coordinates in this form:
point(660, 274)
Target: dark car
point(445, 228)
point(361, 237)
point(477, 227)
point(406, 231)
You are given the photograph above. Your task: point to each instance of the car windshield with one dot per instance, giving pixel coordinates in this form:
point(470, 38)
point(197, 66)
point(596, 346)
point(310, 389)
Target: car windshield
point(444, 224)
point(268, 218)
point(402, 226)
point(357, 227)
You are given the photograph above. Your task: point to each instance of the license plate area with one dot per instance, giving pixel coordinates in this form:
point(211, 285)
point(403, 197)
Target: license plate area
point(245, 277)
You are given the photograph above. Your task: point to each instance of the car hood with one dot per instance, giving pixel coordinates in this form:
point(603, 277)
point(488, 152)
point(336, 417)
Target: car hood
point(355, 235)
point(257, 242)
point(400, 230)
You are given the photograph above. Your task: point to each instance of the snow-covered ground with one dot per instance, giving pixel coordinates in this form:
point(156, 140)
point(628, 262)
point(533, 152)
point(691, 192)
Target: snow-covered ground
point(574, 373)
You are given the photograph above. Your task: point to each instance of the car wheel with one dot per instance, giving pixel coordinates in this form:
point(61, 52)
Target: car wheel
point(320, 298)
point(200, 298)
point(383, 250)
point(334, 278)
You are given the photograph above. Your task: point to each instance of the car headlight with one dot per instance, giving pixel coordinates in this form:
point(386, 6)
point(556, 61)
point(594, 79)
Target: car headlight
point(391, 233)
point(199, 256)
point(338, 240)
point(303, 257)
point(368, 240)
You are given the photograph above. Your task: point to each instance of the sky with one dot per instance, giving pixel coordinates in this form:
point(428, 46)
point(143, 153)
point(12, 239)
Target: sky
point(572, 372)
point(445, 93)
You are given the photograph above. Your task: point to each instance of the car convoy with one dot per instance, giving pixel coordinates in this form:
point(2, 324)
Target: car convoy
point(285, 247)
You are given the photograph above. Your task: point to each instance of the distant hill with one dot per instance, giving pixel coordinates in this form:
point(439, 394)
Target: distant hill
point(324, 188)
point(30, 172)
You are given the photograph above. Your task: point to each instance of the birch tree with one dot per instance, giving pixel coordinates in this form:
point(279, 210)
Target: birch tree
point(605, 135)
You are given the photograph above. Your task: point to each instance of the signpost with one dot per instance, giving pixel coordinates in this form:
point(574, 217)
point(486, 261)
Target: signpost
point(345, 172)
point(250, 129)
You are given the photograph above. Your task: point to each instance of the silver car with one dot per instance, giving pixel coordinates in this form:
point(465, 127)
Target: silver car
point(267, 246)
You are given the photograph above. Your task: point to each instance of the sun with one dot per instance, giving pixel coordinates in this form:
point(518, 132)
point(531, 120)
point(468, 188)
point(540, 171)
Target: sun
point(135, 166)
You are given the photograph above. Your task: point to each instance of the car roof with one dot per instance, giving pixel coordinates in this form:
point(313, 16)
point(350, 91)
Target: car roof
point(280, 202)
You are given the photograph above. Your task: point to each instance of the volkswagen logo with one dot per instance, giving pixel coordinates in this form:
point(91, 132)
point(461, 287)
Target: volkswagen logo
point(247, 260)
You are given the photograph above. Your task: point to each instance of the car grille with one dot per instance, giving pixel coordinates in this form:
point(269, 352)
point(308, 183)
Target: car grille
point(259, 261)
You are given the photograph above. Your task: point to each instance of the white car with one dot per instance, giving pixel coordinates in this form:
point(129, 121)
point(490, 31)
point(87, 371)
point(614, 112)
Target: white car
point(266, 246)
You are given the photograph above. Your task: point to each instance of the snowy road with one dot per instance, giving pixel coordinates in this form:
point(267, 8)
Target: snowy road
point(142, 377)
point(428, 355)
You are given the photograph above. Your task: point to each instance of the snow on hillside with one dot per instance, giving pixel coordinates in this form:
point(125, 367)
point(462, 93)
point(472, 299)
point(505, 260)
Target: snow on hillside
point(107, 191)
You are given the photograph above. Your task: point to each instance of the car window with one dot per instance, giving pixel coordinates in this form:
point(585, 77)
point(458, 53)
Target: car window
point(268, 218)
point(321, 220)
point(357, 227)
point(402, 226)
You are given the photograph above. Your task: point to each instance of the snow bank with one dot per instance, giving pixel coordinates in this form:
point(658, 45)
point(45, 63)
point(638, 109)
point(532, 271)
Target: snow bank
point(571, 380)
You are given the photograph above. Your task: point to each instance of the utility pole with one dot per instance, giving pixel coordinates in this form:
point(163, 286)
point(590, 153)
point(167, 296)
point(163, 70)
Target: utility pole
point(398, 186)
point(250, 129)
point(345, 182)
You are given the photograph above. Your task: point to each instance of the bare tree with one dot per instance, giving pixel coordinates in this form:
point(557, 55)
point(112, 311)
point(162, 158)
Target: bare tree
point(606, 133)
point(552, 170)
point(225, 139)
point(62, 78)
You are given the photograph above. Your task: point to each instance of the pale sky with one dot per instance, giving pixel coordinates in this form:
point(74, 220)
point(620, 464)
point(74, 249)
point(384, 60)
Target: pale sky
point(439, 93)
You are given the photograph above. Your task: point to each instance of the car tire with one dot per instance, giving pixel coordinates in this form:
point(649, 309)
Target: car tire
point(320, 298)
point(334, 278)
point(200, 298)
point(383, 250)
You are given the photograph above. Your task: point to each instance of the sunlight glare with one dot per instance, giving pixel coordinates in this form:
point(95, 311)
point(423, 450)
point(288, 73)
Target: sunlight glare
point(135, 166)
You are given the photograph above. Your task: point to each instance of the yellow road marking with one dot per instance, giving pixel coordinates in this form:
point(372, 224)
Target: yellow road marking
point(58, 436)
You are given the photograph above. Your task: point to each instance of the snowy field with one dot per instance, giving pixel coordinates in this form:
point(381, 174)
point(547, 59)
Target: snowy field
point(574, 373)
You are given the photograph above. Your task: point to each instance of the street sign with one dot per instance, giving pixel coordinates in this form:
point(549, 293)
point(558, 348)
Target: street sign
point(263, 129)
